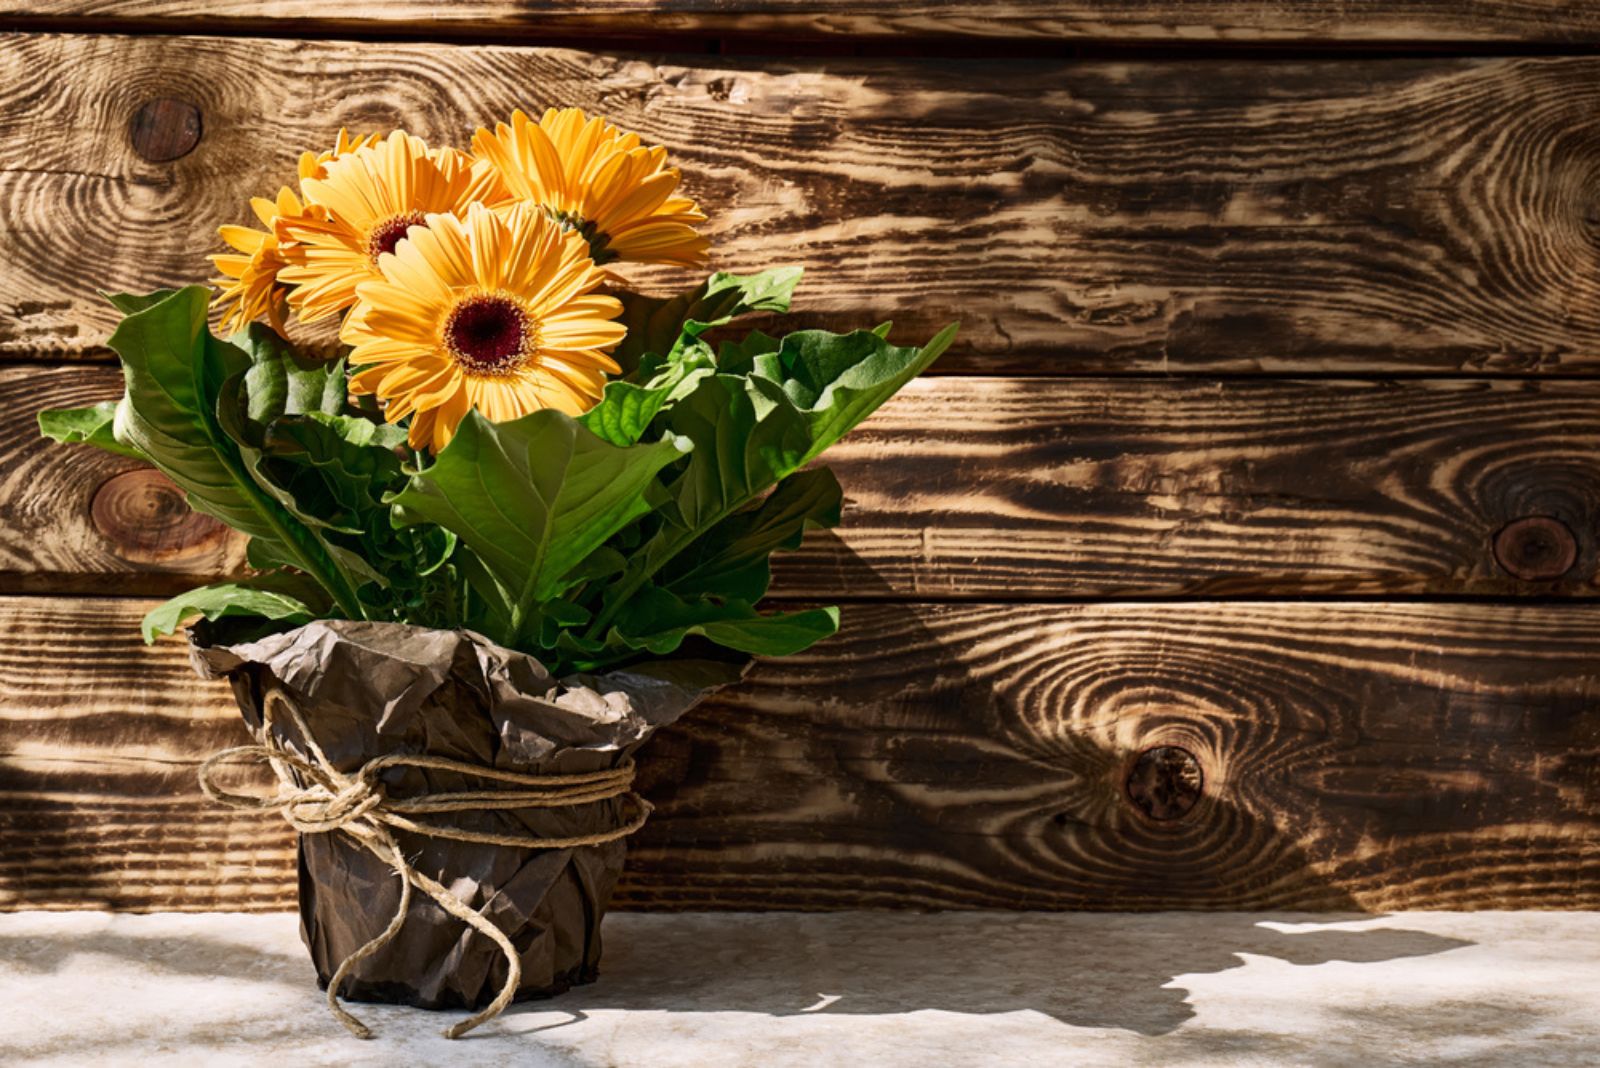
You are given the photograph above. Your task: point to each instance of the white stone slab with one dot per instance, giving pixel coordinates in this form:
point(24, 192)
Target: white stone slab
point(711, 990)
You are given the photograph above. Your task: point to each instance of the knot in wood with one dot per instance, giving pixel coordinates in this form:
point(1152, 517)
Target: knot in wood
point(1536, 548)
point(1165, 782)
point(146, 520)
point(165, 129)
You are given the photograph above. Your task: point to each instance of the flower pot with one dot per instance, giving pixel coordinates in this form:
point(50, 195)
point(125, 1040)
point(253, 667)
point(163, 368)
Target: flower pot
point(397, 717)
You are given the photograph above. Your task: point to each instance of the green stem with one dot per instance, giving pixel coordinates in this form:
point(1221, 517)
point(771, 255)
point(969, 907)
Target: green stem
point(518, 620)
point(329, 579)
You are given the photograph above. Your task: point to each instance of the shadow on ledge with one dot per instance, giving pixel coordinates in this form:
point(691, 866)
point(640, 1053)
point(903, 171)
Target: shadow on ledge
point(1105, 970)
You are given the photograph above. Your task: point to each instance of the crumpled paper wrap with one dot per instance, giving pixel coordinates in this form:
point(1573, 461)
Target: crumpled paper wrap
point(371, 689)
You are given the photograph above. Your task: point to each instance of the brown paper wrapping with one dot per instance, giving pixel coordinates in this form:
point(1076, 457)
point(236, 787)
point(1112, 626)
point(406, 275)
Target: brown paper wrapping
point(371, 689)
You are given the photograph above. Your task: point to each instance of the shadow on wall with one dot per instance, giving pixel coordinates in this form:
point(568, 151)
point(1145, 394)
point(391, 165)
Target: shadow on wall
point(958, 755)
point(956, 796)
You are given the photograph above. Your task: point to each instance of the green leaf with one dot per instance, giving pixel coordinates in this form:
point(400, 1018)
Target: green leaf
point(353, 458)
point(660, 326)
point(283, 381)
point(627, 409)
point(739, 357)
point(742, 445)
point(329, 469)
point(731, 559)
point(264, 555)
point(659, 622)
point(532, 498)
point(278, 597)
point(837, 380)
point(174, 371)
point(624, 412)
point(490, 609)
point(86, 426)
point(602, 563)
point(751, 431)
point(131, 303)
point(663, 353)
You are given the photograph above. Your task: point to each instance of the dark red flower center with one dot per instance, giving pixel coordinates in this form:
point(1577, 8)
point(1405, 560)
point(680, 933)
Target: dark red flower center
point(489, 334)
point(387, 234)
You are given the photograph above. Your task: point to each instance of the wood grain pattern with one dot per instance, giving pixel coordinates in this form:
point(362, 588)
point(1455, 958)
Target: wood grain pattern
point(1395, 215)
point(1179, 21)
point(965, 488)
point(1354, 756)
point(77, 518)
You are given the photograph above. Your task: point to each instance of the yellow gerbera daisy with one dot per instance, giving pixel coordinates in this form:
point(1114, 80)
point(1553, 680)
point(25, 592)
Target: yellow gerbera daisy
point(498, 312)
point(249, 283)
point(369, 199)
point(315, 164)
point(594, 179)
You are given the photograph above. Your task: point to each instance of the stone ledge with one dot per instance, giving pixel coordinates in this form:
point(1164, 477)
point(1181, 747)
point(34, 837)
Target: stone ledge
point(707, 990)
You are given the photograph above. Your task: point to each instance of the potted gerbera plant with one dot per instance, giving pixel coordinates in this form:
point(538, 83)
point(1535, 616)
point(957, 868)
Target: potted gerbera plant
point(519, 522)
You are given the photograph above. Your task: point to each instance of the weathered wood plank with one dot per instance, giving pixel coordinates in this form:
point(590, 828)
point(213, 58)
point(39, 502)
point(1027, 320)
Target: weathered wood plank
point(1111, 217)
point(965, 488)
point(1346, 756)
point(81, 519)
point(1179, 21)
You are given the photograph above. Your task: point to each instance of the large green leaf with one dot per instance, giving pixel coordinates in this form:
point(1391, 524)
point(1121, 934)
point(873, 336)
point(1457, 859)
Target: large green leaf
point(281, 380)
point(283, 597)
point(738, 357)
point(86, 426)
point(174, 371)
point(277, 385)
point(659, 622)
point(355, 458)
point(837, 380)
point(663, 354)
point(330, 469)
point(731, 560)
point(532, 498)
point(130, 303)
point(751, 431)
point(658, 326)
point(625, 411)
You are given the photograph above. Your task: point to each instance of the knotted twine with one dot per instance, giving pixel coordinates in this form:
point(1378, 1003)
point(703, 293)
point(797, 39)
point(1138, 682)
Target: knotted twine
point(314, 797)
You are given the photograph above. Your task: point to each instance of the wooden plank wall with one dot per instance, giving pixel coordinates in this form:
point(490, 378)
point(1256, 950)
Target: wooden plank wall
point(1243, 554)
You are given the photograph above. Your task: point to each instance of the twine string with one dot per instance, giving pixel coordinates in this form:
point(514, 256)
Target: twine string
point(314, 797)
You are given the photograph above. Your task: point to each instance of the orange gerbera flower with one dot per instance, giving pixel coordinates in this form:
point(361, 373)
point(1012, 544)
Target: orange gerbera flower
point(498, 312)
point(315, 164)
point(598, 181)
point(369, 198)
point(249, 283)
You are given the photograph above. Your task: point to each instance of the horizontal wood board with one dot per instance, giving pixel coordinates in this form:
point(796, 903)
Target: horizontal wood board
point(966, 488)
point(1367, 756)
point(1394, 215)
point(1182, 261)
point(1188, 22)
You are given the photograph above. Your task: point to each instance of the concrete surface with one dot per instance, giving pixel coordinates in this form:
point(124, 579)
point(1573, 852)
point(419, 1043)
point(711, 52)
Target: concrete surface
point(860, 989)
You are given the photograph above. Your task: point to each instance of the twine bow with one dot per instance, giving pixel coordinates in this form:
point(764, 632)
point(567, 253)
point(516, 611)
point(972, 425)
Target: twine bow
point(316, 798)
